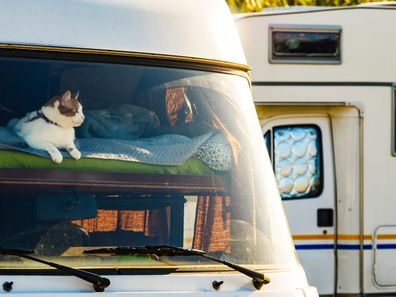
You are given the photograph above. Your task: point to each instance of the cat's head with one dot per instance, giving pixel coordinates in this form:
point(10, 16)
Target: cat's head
point(65, 110)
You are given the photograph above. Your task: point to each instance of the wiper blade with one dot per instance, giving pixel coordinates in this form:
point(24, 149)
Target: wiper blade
point(165, 250)
point(99, 283)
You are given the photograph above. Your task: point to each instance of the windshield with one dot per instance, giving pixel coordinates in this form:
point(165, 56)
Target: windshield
point(168, 157)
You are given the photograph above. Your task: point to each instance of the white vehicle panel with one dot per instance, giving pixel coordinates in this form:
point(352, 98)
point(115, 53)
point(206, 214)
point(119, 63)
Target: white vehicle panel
point(133, 26)
point(283, 283)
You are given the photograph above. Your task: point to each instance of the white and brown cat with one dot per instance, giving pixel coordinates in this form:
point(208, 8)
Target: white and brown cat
point(52, 127)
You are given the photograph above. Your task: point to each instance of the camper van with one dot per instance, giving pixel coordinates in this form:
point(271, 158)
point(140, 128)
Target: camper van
point(324, 89)
point(131, 156)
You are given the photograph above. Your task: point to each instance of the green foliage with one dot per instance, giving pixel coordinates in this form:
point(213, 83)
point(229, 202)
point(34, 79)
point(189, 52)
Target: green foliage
point(258, 5)
point(245, 5)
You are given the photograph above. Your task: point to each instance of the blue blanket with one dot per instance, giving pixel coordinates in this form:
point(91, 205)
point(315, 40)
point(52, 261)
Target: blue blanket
point(170, 149)
point(126, 121)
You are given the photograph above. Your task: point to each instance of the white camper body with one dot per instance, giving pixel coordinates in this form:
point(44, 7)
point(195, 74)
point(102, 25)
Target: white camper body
point(324, 88)
point(157, 79)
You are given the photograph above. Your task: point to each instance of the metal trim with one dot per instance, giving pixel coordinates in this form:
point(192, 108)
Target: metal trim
point(306, 29)
point(361, 201)
point(336, 229)
point(118, 53)
point(323, 83)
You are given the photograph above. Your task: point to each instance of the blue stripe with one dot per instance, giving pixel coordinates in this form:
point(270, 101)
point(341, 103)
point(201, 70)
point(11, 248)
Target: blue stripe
point(353, 246)
point(342, 246)
point(386, 246)
point(314, 246)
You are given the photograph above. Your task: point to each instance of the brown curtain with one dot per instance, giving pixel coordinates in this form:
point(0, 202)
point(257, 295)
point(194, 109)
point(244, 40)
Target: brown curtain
point(178, 106)
point(153, 223)
point(213, 221)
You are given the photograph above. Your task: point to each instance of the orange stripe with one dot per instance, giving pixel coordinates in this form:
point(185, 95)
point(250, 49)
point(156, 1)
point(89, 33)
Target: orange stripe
point(313, 236)
point(386, 236)
point(353, 237)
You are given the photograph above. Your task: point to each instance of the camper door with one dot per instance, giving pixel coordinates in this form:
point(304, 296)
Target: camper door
point(300, 148)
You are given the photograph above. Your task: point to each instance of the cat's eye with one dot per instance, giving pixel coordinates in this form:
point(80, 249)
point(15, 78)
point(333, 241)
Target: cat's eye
point(71, 112)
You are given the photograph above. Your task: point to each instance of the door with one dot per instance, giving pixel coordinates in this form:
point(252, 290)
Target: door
point(301, 151)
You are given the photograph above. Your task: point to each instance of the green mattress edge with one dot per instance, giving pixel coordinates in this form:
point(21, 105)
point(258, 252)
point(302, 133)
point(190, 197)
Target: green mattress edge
point(14, 160)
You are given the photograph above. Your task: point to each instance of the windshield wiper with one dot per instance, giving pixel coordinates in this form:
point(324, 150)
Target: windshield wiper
point(99, 283)
point(164, 250)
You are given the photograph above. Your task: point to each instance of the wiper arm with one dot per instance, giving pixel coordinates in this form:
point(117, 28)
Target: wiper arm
point(99, 283)
point(164, 250)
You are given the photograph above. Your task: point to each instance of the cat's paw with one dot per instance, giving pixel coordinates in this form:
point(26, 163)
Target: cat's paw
point(75, 154)
point(73, 151)
point(56, 157)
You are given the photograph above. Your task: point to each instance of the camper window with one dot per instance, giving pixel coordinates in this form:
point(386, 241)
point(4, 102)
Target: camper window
point(168, 158)
point(297, 160)
point(291, 44)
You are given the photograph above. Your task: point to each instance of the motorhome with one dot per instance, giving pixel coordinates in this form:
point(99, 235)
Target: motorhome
point(167, 191)
point(324, 89)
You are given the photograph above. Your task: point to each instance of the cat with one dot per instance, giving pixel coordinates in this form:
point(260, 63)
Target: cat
point(52, 126)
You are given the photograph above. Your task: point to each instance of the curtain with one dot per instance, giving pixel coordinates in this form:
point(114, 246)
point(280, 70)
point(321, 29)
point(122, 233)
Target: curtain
point(212, 224)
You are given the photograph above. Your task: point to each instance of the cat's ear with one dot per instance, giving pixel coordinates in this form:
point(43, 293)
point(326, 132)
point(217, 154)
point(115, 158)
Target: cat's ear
point(65, 98)
point(77, 94)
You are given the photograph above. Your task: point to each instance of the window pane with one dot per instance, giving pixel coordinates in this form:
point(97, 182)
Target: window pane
point(305, 45)
point(297, 161)
point(169, 157)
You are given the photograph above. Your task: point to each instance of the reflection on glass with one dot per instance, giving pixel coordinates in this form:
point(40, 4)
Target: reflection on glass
point(179, 157)
point(303, 44)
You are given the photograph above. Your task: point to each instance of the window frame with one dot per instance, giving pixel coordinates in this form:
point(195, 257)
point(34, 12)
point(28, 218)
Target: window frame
point(309, 195)
point(337, 60)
